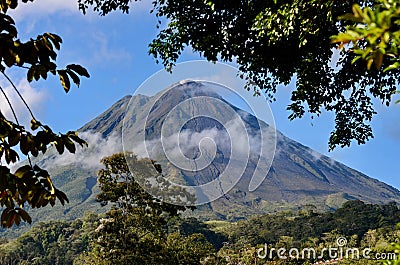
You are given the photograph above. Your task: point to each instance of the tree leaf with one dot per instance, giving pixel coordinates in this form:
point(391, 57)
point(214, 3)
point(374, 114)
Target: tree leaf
point(74, 136)
point(25, 216)
point(64, 80)
point(79, 70)
point(30, 74)
point(61, 196)
point(59, 147)
point(378, 59)
point(69, 144)
point(35, 124)
point(24, 171)
point(55, 39)
point(74, 77)
point(13, 137)
point(10, 156)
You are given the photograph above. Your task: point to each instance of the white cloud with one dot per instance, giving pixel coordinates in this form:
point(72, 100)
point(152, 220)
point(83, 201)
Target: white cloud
point(316, 155)
point(39, 8)
point(141, 6)
point(104, 54)
point(33, 97)
point(42, 8)
point(89, 158)
point(187, 148)
point(226, 77)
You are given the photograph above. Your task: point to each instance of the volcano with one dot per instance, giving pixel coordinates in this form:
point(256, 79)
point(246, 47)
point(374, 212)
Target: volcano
point(297, 177)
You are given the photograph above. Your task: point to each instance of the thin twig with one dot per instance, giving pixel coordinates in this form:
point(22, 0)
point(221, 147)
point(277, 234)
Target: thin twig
point(12, 109)
point(25, 67)
point(29, 159)
point(9, 104)
point(19, 94)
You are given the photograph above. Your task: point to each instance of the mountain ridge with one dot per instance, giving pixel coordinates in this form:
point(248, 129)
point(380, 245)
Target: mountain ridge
point(298, 177)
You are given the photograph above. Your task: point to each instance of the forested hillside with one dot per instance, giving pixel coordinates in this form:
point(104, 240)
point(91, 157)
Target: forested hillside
point(189, 241)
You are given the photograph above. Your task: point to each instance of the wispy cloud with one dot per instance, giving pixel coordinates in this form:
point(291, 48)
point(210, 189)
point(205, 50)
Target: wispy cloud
point(236, 141)
point(105, 53)
point(89, 158)
point(226, 76)
point(33, 97)
point(41, 8)
point(141, 6)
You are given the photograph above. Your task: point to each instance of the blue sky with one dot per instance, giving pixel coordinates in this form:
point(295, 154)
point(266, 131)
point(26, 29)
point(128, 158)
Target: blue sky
point(114, 50)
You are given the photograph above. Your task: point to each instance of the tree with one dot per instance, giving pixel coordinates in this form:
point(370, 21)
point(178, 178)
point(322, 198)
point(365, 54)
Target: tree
point(274, 41)
point(375, 36)
point(54, 242)
point(134, 230)
point(396, 249)
point(29, 184)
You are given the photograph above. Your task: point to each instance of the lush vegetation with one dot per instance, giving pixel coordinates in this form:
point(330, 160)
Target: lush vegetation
point(96, 239)
point(55, 242)
point(29, 184)
point(141, 229)
point(133, 231)
point(273, 42)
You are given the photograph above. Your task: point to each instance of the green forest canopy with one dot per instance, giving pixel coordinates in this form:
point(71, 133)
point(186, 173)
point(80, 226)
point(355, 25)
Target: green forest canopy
point(274, 41)
point(189, 241)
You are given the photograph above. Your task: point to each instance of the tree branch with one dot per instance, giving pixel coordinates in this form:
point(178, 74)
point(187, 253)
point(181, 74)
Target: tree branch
point(19, 94)
point(10, 105)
